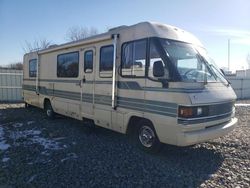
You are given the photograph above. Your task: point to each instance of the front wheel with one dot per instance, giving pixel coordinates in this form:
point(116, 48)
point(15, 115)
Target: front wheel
point(49, 110)
point(146, 137)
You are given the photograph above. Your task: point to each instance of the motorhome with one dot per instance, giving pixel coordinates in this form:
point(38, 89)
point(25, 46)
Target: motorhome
point(151, 80)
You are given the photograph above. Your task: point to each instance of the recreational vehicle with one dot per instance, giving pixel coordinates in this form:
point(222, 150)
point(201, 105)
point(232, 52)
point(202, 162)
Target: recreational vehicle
point(153, 81)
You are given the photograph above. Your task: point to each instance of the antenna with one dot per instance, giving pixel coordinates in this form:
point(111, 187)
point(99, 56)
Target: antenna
point(228, 55)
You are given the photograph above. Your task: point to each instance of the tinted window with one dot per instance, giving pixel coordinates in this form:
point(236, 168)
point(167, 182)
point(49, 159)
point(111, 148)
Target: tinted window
point(32, 67)
point(88, 61)
point(106, 61)
point(68, 65)
point(134, 58)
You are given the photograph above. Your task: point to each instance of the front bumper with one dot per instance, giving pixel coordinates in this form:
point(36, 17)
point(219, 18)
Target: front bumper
point(209, 133)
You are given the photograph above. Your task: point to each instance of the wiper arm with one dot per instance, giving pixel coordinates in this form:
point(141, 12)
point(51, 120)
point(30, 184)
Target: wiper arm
point(228, 83)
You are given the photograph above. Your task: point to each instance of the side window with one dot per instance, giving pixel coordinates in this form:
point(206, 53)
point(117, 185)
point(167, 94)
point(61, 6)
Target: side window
point(134, 58)
point(155, 57)
point(32, 67)
point(106, 61)
point(68, 65)
point(88, 61)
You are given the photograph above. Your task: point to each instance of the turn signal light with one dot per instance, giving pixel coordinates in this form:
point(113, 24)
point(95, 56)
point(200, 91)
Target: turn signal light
point(185, 112)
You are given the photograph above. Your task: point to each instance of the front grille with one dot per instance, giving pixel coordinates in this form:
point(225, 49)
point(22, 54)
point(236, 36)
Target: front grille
point(218, 109)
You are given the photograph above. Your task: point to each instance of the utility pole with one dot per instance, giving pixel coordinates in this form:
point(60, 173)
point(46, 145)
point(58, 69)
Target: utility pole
point(228, 55)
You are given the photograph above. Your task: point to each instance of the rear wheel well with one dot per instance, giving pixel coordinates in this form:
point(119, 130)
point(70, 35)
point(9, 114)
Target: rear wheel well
point(46, 101)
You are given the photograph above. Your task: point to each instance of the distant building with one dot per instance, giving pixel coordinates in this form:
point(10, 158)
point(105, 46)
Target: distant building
point(240, 73)
point(227, 72)
point(243, 73)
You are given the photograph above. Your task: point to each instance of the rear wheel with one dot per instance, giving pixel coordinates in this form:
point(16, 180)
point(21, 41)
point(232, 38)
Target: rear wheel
point(49, 110)
point(26, 105)
point(146, 137)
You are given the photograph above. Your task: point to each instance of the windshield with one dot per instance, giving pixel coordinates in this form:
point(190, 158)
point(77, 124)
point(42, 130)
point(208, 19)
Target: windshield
point(191, 66)
point(219, 75)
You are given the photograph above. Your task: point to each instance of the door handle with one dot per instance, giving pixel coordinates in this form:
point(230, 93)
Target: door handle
point(83, 79)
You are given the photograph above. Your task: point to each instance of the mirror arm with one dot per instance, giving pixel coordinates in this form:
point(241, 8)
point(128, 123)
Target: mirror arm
point(164, 82)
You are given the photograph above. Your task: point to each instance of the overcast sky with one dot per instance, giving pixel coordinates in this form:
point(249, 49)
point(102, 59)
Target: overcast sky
point(212, 21)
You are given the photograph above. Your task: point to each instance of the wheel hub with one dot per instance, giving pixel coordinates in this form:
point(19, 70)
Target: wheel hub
point(49, 112)
point(146, 136)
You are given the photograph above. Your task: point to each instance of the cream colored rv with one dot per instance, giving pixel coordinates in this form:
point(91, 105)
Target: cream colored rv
point(151, 80)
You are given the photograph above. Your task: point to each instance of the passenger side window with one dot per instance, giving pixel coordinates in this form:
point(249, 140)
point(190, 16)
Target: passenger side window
point(106, 61)
point(88, 61)
point(134, 59)
point(68, 65)
point(155, 57)
point(32, 67)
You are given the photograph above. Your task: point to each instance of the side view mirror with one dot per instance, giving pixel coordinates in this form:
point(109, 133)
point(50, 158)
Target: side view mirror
point(158, 69)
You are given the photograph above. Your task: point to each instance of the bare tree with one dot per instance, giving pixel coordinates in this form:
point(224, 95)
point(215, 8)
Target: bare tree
point(77, 33)
point(36, 45)
point(17, 66)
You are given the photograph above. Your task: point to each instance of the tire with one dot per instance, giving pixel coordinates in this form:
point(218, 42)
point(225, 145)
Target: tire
point(26, 105)
point(49, 110)
point(146, 138)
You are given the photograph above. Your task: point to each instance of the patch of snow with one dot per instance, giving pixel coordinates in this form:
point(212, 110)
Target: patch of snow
point(32, 178)
point(15, 135)
point(9, 123)
point(34, 137)
point(30, 122)
point(69, 156)
point(17, 125)
point(3, 145)
point(46, 143)
point(46, 153)
point(59, 138)
point(5, 159)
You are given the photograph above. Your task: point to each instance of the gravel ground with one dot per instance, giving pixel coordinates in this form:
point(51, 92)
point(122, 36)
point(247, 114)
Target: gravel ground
point(37, 152)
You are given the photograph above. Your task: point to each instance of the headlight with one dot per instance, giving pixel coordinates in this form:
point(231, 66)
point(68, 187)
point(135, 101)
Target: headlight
point(199, 111)
point(192, 112)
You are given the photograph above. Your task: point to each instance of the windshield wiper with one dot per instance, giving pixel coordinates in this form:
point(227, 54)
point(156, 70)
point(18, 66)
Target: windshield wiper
point(213, 67)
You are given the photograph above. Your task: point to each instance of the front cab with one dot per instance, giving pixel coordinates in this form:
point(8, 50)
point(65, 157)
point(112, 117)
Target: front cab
point(210, 114)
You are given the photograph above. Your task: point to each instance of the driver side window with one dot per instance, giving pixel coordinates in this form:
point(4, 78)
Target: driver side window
point(155, 57)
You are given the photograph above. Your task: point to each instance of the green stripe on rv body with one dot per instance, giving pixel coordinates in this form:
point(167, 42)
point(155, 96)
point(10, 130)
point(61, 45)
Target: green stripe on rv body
point(127, 85)
point(157, 107)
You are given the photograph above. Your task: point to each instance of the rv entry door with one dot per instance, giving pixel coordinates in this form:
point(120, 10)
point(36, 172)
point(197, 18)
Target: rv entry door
point(87, 83)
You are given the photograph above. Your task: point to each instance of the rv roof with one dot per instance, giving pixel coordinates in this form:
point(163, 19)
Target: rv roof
point(133, 32)
point(154, 29)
